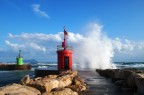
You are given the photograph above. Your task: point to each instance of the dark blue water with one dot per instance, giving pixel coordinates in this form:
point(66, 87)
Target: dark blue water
point(7, 77)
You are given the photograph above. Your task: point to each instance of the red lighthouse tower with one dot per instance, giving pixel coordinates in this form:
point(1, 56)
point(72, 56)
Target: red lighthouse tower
point(64, 54)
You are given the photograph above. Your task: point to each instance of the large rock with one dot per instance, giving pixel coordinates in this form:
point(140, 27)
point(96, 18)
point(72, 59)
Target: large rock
point(122, 74)
point(68, 72)
point(65, 80)
point(63, 91)
point(78, 81)
point(17, 89)
point(139, 79)
point(25, 80)
point(44, 85)
point(77, 88)
point(78, 85)
point(115, 74)
point(131, 81)
point(107, 72)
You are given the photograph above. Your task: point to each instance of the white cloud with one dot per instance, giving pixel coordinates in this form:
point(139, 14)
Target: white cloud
point(123, 45)
point(25, 46)
point(38, 36)
point(43, 46)
point(36, 9)
point(14, 46)
point(39, 45)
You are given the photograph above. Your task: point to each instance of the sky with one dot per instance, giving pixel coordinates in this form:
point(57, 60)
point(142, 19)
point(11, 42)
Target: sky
point(36, 27)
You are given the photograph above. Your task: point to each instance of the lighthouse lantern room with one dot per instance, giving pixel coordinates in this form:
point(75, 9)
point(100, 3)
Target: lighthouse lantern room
point(64, 54)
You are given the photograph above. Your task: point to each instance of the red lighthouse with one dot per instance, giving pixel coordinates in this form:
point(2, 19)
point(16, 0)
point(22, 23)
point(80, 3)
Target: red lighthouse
point(64, 54)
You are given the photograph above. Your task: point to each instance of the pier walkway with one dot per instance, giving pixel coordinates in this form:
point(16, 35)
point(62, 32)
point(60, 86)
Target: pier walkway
point(98, 85)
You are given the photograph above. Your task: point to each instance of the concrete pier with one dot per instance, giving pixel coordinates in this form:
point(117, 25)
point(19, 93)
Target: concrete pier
point(98, 85)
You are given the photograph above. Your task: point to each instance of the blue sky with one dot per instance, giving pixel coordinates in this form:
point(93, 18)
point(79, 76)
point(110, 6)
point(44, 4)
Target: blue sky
point(122, 22)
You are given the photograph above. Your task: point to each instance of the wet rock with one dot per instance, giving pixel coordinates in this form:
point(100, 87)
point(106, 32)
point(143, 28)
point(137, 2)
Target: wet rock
point(128, 78)
point(107, 72)
point(121, 74)
point(17, 89)
point(139, 79)
point(122, 83)
point(131, 81)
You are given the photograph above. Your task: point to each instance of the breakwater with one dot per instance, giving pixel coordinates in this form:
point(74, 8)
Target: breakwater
point(129, 79)
point(15, 67)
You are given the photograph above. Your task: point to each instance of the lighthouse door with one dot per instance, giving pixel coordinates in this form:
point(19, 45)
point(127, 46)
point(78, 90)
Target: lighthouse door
point(66, 62)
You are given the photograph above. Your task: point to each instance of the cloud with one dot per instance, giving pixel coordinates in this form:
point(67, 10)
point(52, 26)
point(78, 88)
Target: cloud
point(39, 45)
point(37, 36)
point(26, 46)
point(128, 50)
point(123, 45)
point(93, 42)
point(36, 9)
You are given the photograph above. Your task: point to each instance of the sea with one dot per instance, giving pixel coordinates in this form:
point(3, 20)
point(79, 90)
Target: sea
point(14, 76)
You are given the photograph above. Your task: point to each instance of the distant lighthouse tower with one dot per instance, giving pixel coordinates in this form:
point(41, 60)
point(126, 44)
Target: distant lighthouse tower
point(19, 59)
point(64, 54)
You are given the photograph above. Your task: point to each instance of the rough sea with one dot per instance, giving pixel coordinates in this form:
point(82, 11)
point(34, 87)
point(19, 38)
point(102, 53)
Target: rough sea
point(14, 76)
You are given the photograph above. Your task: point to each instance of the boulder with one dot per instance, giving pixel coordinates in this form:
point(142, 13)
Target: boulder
point(78, 81)
point(44, 85)
point(107, 72)
point(139, 79)
point(77, 88)
point(131, 81)
point(65, 80)
point(122, 83)
point(122, 74)
point(25, 80)
point(68, 72)
point(64, 91)
point(17, 89)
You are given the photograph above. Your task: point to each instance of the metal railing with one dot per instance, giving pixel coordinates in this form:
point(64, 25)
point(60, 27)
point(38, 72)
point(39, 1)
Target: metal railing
point(59, 48)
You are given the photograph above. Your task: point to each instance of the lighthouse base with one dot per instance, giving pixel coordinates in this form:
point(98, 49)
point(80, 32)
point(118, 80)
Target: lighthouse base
point(41, 72)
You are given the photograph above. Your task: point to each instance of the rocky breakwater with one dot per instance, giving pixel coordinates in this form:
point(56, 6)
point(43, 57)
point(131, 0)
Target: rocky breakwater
point(127, 79)
point(66, 83)
point(15, 67)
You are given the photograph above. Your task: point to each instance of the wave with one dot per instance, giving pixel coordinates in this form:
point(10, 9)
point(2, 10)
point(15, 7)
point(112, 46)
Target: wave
point(137, 65)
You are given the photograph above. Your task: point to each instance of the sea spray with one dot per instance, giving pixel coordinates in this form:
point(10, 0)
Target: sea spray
point(94, 50)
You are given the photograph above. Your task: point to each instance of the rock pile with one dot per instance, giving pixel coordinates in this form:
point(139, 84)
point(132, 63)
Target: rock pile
point(66, 83)
point(130, 79)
